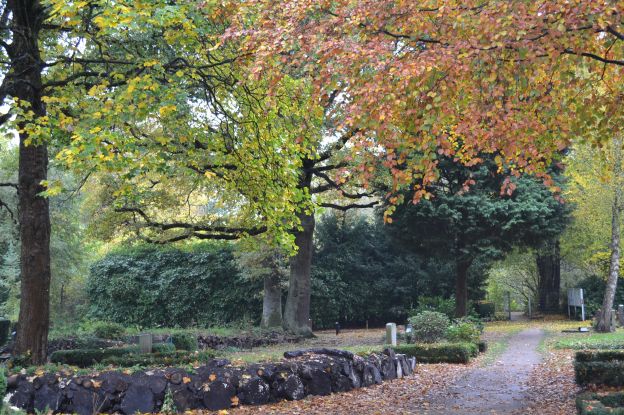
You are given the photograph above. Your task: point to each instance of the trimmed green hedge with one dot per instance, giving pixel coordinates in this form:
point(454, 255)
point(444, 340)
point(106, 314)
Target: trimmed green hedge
point(179, 357)
point(440, 352)
point(483, 346)
point(184, 341)
point(609, 373)
point(129, 356)
point(600, 404)
point(599, 355)
point(88, 357)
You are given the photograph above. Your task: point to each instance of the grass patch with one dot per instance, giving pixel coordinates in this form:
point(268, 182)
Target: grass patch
point(592, 341)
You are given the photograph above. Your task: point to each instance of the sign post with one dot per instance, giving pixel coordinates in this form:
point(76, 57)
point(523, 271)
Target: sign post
point(575, 299)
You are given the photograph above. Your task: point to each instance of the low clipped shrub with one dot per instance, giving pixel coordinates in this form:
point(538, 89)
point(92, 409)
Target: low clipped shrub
point(483, 346)
point(608, 373)
point(463, 331)
point(599, 355)
point(184, 341)
point(178, 357)
point(108, 330)
point(88, 357)
point(3, 385)
point(440, 352)
point(600, 403)
point(429, 326)
point(163, 348)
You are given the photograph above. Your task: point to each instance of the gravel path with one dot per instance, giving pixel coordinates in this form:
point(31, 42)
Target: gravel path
point(499, 388)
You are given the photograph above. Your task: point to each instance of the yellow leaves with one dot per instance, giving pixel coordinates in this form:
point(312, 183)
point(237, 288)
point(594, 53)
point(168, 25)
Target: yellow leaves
point(234, 400)
point(186, 379)
point(166, 110)
point(212, 377)
point(149, 64)
point(95, 130)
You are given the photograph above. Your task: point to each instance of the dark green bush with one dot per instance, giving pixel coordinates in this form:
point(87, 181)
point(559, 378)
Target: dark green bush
point(184, 341)
point(178, 357)
point(609, 373)
point(440, 352)
point(156, 287)
point(600, 403)
point(88, 357)
point(437, 303)
point(429, 326)
point(463, 331)
point(483, 346)
point(108, 330)
point(5, 327)
point(485, 309)
point(163, 348)
point(3, 385)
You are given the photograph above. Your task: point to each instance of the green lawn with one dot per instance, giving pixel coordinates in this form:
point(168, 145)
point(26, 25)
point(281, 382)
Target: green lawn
point(592, 340)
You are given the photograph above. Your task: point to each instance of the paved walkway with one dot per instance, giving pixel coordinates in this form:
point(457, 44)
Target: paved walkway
point(498, 388)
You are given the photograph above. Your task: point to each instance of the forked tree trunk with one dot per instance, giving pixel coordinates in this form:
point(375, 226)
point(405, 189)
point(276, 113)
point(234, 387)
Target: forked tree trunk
point(548, 262)
point(461, 287)
point(297, 310)
point(34, 314)
point(272, 302)
point(603, 323)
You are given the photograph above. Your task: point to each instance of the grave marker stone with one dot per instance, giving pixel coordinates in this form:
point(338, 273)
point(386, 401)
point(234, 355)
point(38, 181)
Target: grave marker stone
point(391, 334)
point(145, 343)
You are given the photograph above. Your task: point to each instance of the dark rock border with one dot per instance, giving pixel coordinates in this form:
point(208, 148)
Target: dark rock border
point(217, 385)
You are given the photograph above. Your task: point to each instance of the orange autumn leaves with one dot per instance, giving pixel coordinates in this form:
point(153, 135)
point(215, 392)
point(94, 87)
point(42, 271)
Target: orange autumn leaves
point(461, 78)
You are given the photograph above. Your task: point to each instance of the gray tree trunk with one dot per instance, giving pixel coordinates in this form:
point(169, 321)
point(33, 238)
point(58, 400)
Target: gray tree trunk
point(603, 323)
point(272, 302)
point(297, 310)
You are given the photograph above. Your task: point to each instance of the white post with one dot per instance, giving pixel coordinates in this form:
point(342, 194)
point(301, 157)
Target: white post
point(391, 334)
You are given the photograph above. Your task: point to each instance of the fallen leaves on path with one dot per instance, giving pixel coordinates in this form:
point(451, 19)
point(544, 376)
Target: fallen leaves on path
point(552, 390)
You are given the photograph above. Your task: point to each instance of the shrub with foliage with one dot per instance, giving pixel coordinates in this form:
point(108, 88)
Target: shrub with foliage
point(108, 330)
point(178, 357)
point(440, 352)
point(593, 292)
point(437, 303)
point(155, 287)
point(429, 326)
point(608, 403)
point(463, 331)
point(184, 341)
point(5, 328)
point(163, 348)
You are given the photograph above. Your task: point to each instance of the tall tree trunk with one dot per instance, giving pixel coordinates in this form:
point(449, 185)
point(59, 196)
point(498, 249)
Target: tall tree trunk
point(462, 266)
point(34, 217)
point(297, 310)
point(548, 262)
point(272, 302)
point(603, 323)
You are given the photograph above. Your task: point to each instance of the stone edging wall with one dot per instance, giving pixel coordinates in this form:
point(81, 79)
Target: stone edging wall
point(217, 385)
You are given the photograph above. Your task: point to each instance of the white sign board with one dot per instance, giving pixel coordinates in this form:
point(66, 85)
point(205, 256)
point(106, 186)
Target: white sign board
point(575, 299)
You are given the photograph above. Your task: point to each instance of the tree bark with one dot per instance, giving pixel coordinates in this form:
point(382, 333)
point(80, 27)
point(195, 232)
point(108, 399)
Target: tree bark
point(461, 287)
point(603, 323)
point(297, 310)
point(272, 302)
point(548, 263)
point(34, 217)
